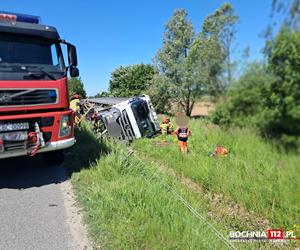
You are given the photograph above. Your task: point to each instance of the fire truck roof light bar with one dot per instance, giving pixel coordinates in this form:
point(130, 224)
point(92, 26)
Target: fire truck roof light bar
point(15, 17)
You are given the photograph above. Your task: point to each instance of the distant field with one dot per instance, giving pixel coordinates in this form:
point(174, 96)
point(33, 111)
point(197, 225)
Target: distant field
point(127, 204)
point(202, 109)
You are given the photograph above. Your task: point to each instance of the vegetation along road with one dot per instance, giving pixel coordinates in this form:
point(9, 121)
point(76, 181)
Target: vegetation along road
point(149, 196)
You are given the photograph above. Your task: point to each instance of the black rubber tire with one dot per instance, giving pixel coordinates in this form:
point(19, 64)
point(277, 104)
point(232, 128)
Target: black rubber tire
point(54, 157)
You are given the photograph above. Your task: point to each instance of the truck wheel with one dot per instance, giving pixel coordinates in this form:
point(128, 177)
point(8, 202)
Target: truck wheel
point(54, 157)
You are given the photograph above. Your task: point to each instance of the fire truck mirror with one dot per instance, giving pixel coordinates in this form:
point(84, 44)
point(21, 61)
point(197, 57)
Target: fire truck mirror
point(72, 55)
point(74, 72)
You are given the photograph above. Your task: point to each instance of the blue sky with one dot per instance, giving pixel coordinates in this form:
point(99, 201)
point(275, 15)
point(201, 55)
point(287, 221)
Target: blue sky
point(108, 34)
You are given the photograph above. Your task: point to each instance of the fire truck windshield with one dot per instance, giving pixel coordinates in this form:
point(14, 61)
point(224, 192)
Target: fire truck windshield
point(29, 57)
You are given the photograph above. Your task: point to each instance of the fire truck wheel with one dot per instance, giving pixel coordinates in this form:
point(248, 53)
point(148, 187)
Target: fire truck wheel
point(54, 157)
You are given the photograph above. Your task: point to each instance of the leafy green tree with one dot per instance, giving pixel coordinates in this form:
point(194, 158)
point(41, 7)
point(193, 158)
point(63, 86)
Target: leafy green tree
point(289, 16)
point(171, 58)
point(76, 86)
point(291, 11)
point(244, 102)
point(160, 93)
point(131, 80)
point(282, 105)
point(102, 94)
point(220, 26)
point(204, 66)
point(269, 97)
point(194, 65)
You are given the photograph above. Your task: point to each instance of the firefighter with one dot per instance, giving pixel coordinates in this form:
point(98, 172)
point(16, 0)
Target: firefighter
point(75, 106)
point(74, 103)
point(183, 133)
point(166, 126)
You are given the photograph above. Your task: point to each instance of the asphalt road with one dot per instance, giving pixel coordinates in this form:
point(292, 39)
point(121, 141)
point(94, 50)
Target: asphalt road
point(32, 206)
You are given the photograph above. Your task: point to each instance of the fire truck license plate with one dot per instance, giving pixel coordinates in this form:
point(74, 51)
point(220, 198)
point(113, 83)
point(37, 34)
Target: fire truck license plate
point(14, 126)
point(14, 136)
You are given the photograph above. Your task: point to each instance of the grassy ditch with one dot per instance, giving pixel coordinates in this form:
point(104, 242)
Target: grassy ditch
point(127, 204)
point(254, 175)
point(127, 207)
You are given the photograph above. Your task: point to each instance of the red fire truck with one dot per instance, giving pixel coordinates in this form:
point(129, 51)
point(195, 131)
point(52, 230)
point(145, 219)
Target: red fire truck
point(34, 102)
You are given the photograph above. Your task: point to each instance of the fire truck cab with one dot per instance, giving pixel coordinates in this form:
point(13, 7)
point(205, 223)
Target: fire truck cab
point(34, 102)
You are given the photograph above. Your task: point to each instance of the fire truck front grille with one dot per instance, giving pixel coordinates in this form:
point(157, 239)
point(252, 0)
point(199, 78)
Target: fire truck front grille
point(28, 97)
point(15, 145)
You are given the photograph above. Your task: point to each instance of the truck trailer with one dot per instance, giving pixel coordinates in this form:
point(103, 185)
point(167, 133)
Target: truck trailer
point(34, 102)
point(124, 119)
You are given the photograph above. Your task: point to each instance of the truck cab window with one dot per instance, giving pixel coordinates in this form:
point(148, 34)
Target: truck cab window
point(25, 53)
point(31, 52)
point(54, 55)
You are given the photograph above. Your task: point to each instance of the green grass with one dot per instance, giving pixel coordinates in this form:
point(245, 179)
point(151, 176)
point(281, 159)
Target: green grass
point(255, 174)
point(127, 205)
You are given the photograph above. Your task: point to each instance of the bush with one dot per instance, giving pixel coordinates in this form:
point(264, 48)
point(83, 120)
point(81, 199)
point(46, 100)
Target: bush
point(268, 98)
point(244, 102)
point(131, 80)
point(282, 102)
point(75, 85)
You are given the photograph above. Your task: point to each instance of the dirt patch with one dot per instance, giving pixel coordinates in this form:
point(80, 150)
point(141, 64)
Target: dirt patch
point(161, 143)
point(202, 109)
point(74, 219)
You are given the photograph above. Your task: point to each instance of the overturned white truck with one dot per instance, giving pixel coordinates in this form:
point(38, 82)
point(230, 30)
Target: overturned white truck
point(122, 118)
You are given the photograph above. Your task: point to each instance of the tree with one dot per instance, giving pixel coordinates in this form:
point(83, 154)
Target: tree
point(102, 94)
point(221, 26)
point(160, 93)
point(131, 80)
point(195, 64)
point(269, 97)
point(205, 66)
point(171, 58)
point(244, 102)
point(282, 105)
point(291, 11)
point(210, 53)
point(76, 86)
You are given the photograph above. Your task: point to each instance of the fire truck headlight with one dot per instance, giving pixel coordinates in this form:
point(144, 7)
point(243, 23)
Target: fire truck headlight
point(65, 126)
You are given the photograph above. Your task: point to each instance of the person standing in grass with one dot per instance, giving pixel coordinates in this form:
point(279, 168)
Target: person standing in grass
point(182, 132)
point(166, 126)
point(75, 106)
